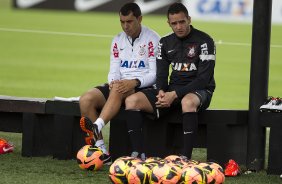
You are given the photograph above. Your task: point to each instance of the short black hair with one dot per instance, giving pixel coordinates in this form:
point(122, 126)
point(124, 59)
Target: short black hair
point(177, 8)
point(130, 7)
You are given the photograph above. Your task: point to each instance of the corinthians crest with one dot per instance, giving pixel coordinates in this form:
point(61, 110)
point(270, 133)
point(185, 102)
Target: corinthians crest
point(191, 51)
point(142, 50)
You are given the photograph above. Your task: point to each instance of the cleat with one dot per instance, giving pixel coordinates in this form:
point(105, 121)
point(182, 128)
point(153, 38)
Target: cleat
point(135, 154)
point(231, 168)
point(267, 106)
point(89, 140)
point(96, 132)
point(277, 105)
point(86, 125)
point(143, 157)
point(107, 159)
point(5, 146)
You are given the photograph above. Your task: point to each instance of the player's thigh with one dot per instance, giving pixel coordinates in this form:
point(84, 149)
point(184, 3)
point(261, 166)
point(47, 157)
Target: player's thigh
point(114, 94)
point(94, 97)
point(199, 99)
point(138, 101)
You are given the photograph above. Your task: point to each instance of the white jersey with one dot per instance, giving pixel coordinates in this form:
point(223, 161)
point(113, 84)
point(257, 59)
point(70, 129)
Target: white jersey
point(135, 60)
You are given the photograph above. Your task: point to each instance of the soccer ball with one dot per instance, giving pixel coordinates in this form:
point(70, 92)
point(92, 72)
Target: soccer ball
point(178, 161)
point(164, 173)
point(193, 174)
point(212, 173)
point(138, 174)
point(219, 173)
point(90, 158)
point(153, 161)
point(119, 169)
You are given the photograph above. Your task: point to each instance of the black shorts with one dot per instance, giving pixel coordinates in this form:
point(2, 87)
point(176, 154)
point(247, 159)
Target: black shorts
point(205, 97)
point(106, 91)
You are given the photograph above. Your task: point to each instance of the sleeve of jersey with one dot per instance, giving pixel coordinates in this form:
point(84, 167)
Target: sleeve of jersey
point(114, 73)
point(205, 70)
point(162, 68)
point(150, 78)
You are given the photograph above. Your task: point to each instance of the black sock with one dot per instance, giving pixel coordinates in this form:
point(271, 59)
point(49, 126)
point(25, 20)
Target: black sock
point(190, 128)
point(134, 122)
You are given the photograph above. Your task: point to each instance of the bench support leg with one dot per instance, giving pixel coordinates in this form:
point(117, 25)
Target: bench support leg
point(226, 142)
point(275, 150)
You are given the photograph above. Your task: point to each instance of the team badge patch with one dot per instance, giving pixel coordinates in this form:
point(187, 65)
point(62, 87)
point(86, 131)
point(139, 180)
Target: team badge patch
point(115, 51)
point(142, 50)
point(191, 51)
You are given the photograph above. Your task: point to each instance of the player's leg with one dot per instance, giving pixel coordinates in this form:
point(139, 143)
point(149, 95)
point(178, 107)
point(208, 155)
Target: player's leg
point(191, 103)
point(90, 104)
point(135, 104)
point(110, 109)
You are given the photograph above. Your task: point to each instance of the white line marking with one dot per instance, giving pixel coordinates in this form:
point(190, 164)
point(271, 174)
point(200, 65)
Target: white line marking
point(54, 32)
point(220, 42)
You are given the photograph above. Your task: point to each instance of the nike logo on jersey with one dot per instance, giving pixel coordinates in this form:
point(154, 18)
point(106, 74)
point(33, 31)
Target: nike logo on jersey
point(28, 3)
point(170, 51)
point(188, 132)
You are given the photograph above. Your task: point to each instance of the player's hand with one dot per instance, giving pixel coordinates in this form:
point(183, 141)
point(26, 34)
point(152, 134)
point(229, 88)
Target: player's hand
point(125, 86)
point(166, 99)
point(111, 84)
point(160, 94)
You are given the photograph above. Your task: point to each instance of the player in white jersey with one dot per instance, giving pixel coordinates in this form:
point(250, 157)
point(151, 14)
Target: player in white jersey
point(132, 67)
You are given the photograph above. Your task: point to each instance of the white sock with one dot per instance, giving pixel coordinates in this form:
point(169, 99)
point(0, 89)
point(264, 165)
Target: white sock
point(100, 143)
point(100, 123)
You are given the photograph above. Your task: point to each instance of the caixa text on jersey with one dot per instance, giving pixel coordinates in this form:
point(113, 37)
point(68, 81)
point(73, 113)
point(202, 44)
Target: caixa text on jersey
point(133, 64)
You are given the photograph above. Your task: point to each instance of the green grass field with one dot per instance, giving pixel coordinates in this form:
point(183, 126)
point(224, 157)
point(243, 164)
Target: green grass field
point(64, 53)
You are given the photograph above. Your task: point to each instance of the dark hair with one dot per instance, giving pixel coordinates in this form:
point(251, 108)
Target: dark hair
point(130, 7)
point(177, 8)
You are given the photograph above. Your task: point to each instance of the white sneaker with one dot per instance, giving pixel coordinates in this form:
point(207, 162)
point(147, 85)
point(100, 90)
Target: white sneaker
point(267, 106)
point(277, 105)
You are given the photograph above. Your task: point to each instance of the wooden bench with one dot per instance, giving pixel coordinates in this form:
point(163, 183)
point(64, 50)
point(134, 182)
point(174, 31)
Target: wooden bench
point(222, 132)
point(48, 127)
point(52, 128)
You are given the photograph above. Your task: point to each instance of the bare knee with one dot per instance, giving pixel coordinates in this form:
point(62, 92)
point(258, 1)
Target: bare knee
point(138, 101)
point(190, 103)
point(90, 101)
point(131, 102)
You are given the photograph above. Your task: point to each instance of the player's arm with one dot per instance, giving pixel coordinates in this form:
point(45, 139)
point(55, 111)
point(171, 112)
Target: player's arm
point(114, 73)
point(162, 67)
